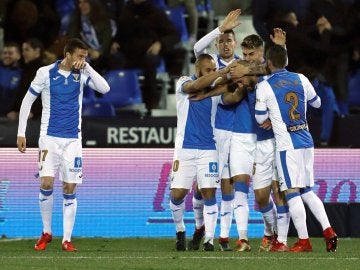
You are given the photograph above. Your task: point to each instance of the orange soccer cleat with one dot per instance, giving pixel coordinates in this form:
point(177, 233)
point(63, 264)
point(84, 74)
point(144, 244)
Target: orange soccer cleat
point(44, 239)
point(331, 239)
point(242, 245)
point(302, 245)
point(277, 246)
point(68, 246)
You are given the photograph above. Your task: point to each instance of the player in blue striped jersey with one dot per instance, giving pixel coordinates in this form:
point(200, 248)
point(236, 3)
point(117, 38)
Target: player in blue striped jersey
point(226, 44)
point(61, 88)
point(265, 174)
point(283, 98)
point(195, 155)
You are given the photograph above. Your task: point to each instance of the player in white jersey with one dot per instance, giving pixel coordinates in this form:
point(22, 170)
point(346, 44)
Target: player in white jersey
point(265, 170)
point(226, 45)
point(265, 174)
point(195, 155)
point(60, 150)
point(283, 98)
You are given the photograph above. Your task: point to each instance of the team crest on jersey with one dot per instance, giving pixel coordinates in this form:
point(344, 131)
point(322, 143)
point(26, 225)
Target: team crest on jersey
point(76, 76)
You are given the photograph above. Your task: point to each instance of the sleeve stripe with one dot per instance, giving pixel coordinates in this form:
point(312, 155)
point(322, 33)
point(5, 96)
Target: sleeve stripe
point(313, 99)
point(32, 91)
point(260, 112)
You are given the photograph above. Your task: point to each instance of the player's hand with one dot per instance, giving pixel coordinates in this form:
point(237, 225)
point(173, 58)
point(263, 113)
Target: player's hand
point(230, 21)
point(237, 71)
point(21, 144)
point(279, 37)
point(266, 125)
point(154, 48)
point(79, 64)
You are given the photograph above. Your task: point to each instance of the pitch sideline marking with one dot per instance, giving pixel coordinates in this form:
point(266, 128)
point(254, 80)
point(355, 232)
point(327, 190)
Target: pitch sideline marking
point(174, 257)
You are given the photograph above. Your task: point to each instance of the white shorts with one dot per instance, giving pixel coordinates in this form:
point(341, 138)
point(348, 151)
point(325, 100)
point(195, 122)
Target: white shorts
point(242, 149)
point(193, 164)
point(264, 164)
point(223, 139)
point(295, 168)
point(61, 155)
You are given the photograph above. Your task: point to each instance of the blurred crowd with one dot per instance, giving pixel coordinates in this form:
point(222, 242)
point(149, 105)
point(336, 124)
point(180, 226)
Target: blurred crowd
point(322, 41)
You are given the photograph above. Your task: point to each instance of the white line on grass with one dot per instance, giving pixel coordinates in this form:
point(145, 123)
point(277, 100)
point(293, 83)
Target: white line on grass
point(175, 257)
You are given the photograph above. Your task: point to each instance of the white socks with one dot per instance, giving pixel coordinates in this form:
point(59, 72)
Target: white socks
point(210, 219)
point(298, 214)
point(177, 210)
point(69, 214)
point(316, 206)
point(46, 200)
point(226, 214)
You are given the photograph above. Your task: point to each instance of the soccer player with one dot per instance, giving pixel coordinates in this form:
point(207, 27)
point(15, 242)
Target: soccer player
point(264, 157)
point(283, 99)
point(60, 150)
point(195, 155)
point(226, 44)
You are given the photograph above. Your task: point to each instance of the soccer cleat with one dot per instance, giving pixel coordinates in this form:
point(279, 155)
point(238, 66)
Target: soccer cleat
point(331, 239)
point(224, 244)
point(302, 245)
point(242, 245)
point(68, 246)
point(208, 246)
point(44, 239)
point(277, 246)
point(180, 241)
point(265, 243)
point(198, 235)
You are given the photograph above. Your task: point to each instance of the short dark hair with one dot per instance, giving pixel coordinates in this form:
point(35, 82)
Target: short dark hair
point(277, 55)
point(252, 42)
point(13, 44)
point(36, 44)
point(72, 44)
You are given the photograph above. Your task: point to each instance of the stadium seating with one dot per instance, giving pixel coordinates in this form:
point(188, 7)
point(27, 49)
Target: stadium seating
point(176, 16)
point(98, 108)
point(124, 88)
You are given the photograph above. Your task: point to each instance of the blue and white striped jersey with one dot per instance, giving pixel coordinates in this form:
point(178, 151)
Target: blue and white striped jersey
point(261, 134)
point(61, 93)
point(225, 114)
point(195, 119)
point(284, 96)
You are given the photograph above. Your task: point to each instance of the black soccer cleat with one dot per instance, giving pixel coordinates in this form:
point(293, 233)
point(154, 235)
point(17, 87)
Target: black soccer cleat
point(180, 241)
point(198, 235)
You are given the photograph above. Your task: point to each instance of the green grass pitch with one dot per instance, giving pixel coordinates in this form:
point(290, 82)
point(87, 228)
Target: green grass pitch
point(155, 253)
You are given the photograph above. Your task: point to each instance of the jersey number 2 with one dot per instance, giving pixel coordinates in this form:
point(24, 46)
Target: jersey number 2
point(292, 98)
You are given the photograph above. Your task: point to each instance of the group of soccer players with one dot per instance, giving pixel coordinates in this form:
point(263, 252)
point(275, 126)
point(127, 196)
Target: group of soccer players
point(232, 139)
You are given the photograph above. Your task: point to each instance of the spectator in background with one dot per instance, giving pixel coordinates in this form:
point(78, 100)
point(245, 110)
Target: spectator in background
point(10, 75)
point(266, 11)
point(144, 36)
point(314, 53)
point(190, 7)
point(32, 51)
point(90, 23)
point(336, 67)
point(31, 19)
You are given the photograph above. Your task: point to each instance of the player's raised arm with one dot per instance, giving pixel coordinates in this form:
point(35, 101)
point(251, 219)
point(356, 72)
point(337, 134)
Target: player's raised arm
point(230, 22)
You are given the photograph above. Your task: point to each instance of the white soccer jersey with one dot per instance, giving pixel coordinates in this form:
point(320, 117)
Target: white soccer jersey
point(284, 97)
point(195, 119)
